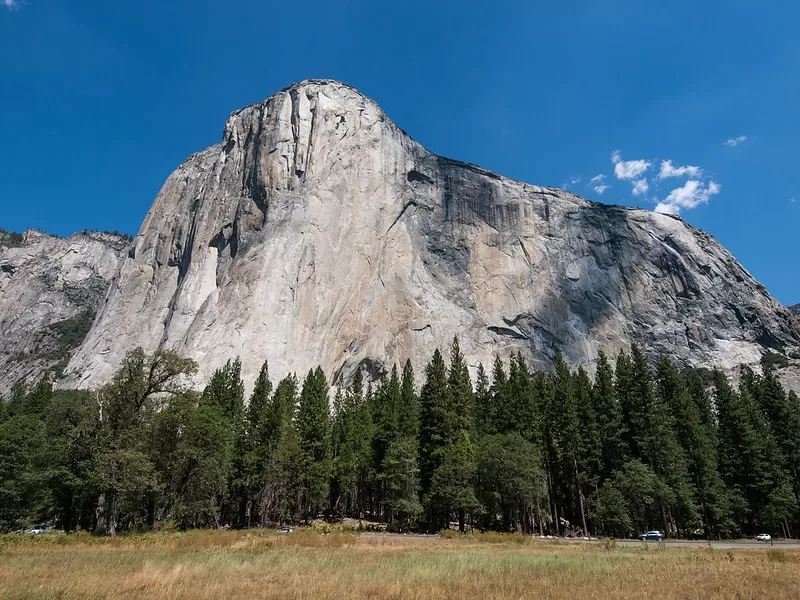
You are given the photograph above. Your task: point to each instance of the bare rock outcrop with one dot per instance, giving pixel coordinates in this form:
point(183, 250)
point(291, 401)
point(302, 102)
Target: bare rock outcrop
point(318, 232)
point(50, 290)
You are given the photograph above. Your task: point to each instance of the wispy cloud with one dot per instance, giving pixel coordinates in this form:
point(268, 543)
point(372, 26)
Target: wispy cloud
point(628, 169)
point(11, 4)
point(572, 181)
point(640, 187)
point(598, 184)
point(692, 194)
point(667, 170)
point(696, 190)
point(733, 142)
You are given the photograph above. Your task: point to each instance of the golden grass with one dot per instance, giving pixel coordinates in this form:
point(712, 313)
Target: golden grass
point(305, 564)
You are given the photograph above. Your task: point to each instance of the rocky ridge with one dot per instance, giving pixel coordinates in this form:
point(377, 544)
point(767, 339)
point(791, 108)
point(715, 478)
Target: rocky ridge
point(318, 232)
point(50, 290)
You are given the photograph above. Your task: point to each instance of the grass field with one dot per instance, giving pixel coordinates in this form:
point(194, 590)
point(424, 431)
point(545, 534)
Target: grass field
point(305, 564)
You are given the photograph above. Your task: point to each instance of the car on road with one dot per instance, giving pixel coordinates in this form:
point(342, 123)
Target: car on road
point(35, 530)
point(656, 536)
point(764, 537)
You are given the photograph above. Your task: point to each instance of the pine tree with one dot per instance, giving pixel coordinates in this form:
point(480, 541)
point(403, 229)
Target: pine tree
point(510, 482)
point(225, 391)
point(608, 413)
point(520, 412)
point(281, 477)
point(453, 480)
point(698, 445)
point(713, 498)
point(460, 395)
point(453, 483)
point(782, 412)
point(497, 416)
point(749, 460)
point(259, 433)
point(408, 412)
point(399, 476)
point(624, 391)
point(654, 436)
point(433, 420)
point(483, 403)
point(313, 431)
point(385, 415)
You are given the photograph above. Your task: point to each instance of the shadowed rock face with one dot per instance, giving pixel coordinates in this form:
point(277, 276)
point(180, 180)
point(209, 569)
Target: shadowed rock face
point(50, 290)
point(318, 232)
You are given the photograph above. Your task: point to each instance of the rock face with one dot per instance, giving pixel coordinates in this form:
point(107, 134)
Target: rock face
point(318, 232)
point(50, 290)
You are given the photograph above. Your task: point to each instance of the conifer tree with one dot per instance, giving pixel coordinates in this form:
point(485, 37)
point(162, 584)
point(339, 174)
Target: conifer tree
point(699, 448)
point(399, 476)
point(460, 395)
point(782, 413)
point(281, 478)
point(453, 483)
point(510, 482)
point(433, 406)
point(225, 391)
point(385, 415)
point(259, 432)
point(608, 414)
point(482, 418)
point(313, 431)
point(398, 470)
point(518, 412)
point(749, 461)
point(408, 413)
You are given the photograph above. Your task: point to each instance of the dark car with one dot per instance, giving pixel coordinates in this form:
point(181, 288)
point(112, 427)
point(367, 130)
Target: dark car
point(655, 536)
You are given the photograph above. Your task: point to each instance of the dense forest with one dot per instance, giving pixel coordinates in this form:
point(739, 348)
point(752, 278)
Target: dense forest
point(637, 447)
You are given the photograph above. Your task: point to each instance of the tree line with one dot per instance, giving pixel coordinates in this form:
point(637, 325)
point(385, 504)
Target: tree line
point(637, 447)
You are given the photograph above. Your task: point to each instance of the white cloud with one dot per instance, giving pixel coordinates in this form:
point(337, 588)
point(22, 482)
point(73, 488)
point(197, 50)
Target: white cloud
point(628, 169)
point(733, 142)
point(640, 187)
point(11, 4)
point(667, 209)
point(667, 170)
point(598, 183)
point(572, 181)
point(692, 194)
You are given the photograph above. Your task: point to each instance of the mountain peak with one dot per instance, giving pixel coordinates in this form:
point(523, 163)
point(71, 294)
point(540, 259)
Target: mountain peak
point(319, 233)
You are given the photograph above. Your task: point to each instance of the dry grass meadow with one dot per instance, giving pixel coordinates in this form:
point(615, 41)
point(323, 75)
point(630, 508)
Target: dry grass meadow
point(305, 564)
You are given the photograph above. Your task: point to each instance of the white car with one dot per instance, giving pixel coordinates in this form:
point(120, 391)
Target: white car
point(35, 530)
point(764, 537)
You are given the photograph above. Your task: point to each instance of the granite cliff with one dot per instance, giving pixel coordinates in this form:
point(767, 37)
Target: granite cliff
point(318, 232)
point(50, 290)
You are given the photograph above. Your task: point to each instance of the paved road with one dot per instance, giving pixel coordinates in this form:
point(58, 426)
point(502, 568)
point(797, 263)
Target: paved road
point(728, 545)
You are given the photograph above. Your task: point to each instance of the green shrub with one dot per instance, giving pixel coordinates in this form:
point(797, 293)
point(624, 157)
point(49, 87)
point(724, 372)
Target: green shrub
point(774, 360)
point(10, 239)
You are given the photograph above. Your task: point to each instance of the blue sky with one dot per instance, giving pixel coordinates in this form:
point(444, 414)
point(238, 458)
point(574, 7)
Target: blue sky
point(100, 101)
